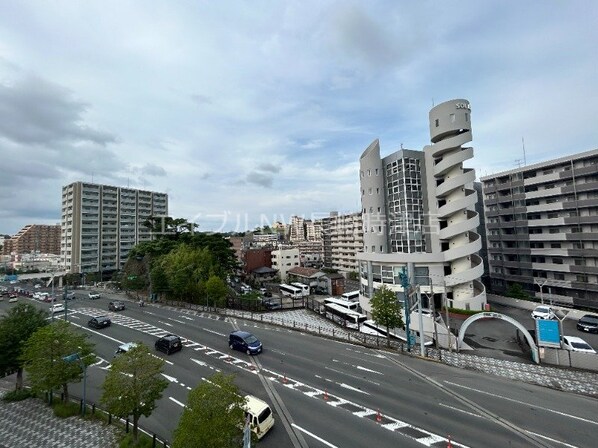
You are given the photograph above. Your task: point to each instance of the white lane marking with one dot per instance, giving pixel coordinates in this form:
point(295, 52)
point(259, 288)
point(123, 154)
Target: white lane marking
point(172, 379)
point(176, 320)
point(552, 440)
point(368, 370)
point(187, 317)
point(460, 410)
point(352, 376)
point(390, 423)
point(177, 402)
point(273, 350)
point(523, 403)
point(98, 333)
point(165, 323)
point(212, 331)
point(311, 434)
point(346, 386)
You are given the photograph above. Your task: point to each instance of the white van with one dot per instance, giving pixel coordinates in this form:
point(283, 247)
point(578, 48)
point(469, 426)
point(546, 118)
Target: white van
point(259, 414)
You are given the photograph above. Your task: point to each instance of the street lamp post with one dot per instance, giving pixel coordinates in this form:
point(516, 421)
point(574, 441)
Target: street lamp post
point(541, 285)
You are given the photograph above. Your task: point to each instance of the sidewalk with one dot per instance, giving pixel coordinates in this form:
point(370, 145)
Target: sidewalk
point(31, 424)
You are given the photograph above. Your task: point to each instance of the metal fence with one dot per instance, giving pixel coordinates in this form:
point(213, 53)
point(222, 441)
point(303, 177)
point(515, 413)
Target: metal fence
point(566, 358)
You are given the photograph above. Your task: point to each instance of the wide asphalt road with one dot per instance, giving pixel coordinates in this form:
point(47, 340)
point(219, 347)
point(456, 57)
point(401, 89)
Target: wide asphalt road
point(330, 394)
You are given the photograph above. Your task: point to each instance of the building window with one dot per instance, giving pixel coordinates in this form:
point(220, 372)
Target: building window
point(437, 122)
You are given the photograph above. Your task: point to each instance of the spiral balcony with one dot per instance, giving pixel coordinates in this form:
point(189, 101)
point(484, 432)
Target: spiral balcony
point(450, 129)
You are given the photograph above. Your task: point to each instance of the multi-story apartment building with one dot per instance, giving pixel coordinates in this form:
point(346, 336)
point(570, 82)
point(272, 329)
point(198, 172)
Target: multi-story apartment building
point(101, 223)
point(34, 238)
point(343, 239)
point(325, 224)
point(297, 229)
point(418, 210)
point(542, 228)
point(284, 259)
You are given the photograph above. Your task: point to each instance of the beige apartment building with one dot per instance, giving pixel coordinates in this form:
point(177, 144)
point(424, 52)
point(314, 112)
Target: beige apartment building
point(101, 224)
point(37, 238)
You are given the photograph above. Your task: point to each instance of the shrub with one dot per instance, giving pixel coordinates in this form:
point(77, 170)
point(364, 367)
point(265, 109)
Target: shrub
point(17, 395)
point(127, 441)
point(65, 410)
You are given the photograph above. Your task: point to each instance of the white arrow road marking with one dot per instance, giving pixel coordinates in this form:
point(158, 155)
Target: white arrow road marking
point(368, 370)
point(552, 440)
point(187, 317)
point(346, 386)
point(172, 379)
point(201, 363)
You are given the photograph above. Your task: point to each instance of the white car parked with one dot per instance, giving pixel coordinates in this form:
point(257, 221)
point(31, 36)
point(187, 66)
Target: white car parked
point(543, 312)
point(575, 344)
point(57, 308)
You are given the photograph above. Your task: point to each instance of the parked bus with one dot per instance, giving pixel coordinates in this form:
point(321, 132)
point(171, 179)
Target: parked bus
point(344, 316)
point(291, 291)
point(304, 288)
point(347, 304)
point(352, 296)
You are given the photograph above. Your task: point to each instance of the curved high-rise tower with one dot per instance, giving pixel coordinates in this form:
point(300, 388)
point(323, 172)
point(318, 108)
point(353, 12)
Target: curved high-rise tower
point(418, 210)
point(453, 197)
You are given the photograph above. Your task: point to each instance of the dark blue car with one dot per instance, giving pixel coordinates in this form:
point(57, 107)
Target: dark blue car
point(244, 342)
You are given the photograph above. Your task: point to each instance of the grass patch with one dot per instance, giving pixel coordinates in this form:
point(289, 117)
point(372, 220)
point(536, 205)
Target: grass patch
point(65, 410)
point(17, 395)
point(144, 441)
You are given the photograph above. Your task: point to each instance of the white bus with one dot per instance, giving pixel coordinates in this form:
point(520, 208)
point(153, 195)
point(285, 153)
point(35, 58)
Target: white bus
point(343, 316)
point(304, 288)
point(291, 291)
point(352, 296)
point(347, 304)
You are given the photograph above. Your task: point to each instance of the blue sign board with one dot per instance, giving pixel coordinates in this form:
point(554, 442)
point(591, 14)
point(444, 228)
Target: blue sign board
point(548, 333)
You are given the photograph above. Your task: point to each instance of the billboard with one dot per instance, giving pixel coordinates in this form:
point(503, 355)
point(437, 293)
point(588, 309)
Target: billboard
point(548, 333)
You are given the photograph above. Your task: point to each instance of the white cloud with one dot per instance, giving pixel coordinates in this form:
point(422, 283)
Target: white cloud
point(263, 109)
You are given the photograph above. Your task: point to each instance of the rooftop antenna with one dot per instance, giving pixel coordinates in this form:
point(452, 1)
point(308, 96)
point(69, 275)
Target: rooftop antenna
point(401, 146)
point(92, 177)
point(432, 102)
point(518, 162)
point(523, 145)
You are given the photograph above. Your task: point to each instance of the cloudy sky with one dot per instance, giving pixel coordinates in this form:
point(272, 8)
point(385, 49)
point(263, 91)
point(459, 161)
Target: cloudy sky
point(248, 109)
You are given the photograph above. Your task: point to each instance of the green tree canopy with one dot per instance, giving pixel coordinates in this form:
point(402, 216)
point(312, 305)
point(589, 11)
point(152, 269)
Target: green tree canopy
point(134, 384)
point(213, 417)
point(44, 357)
point(16, 327)
point(386, 310)
point(517, 292)
point(216, 291)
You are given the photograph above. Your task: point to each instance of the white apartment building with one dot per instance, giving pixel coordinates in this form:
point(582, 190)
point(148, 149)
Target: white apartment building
point(285, 259)
point(419, 210)
point(346, 240)
point(101, 224)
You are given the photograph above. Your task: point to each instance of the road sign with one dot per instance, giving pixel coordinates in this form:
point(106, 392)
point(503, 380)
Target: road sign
point(548, 333)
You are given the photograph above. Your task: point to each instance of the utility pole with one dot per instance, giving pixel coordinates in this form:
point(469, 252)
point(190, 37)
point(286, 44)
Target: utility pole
point(405, 283)
point(422, 350)
point(433, 309)
point(446, 307)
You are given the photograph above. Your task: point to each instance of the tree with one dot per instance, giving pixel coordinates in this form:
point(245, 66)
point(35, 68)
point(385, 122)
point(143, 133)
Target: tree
point(517, 292)
point(216, 290)
point(44, 357)
point(213, 417)
point(133, 385)
point(16, 327)
point(386, 310)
